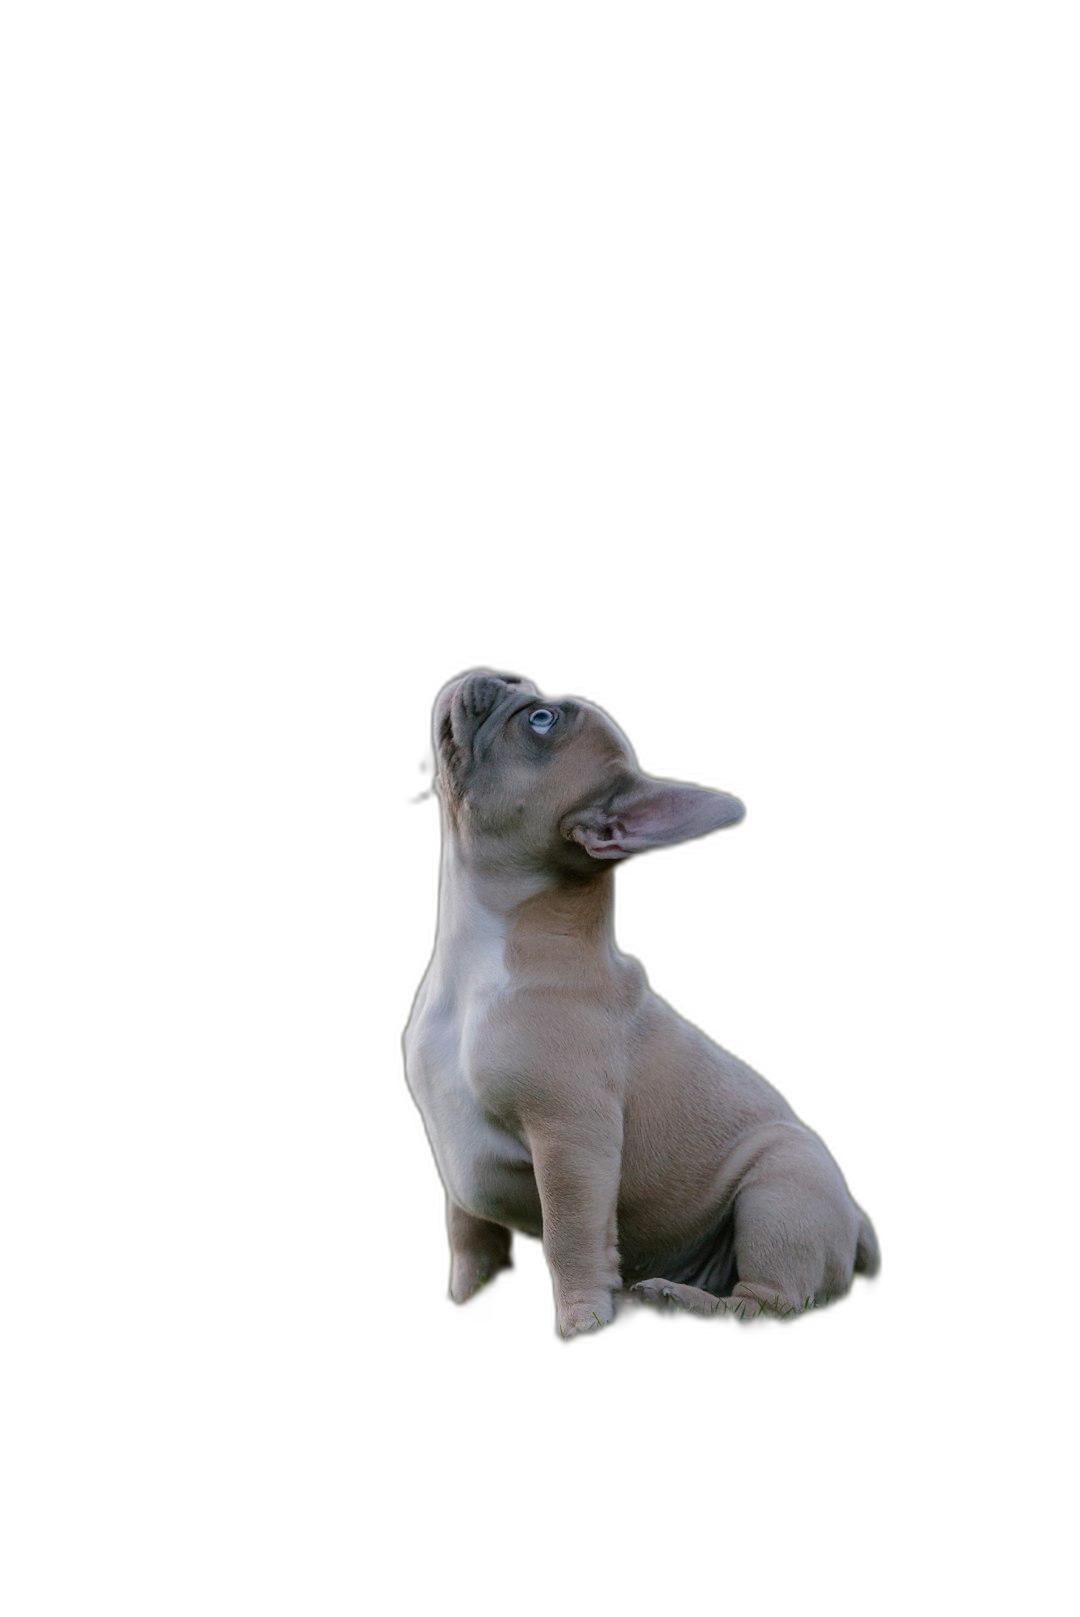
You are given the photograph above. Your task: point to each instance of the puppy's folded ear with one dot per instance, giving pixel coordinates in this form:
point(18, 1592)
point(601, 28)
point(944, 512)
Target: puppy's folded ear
point(650, 814)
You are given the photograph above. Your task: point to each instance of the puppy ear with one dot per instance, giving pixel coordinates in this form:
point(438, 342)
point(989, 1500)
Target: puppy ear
point(651, 814)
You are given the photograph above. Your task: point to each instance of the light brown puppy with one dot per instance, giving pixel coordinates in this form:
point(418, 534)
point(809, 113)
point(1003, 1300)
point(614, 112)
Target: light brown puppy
point(561, 1096)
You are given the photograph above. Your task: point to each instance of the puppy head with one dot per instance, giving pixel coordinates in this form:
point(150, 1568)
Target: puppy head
point(542, 781)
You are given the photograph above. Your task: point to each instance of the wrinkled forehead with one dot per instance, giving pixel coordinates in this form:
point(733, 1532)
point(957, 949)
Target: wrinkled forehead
point(472, 710)
point(599, 729)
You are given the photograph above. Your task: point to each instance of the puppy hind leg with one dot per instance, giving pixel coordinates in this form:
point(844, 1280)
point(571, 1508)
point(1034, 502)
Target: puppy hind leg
point(660, 1293)
point(795, 1236)
point(480, 1253)
point(746, 1301)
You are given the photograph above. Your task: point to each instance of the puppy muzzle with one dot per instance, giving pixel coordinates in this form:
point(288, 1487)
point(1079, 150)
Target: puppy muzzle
point(481, 701)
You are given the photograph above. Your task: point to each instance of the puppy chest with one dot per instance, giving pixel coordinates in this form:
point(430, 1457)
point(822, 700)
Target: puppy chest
point(485, 1167)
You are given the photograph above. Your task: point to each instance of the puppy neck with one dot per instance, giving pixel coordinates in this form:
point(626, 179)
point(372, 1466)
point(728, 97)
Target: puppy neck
point(539, 911)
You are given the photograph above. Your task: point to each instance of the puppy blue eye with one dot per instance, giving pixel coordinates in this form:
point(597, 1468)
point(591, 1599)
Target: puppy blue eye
point(542, 718)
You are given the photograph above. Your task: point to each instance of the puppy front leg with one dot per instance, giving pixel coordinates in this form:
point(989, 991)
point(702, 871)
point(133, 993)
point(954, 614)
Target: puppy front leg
point(578, 1180)
point(478, 1250)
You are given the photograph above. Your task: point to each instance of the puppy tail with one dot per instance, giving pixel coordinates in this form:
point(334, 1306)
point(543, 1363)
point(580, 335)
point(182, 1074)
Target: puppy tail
point(867, 1253)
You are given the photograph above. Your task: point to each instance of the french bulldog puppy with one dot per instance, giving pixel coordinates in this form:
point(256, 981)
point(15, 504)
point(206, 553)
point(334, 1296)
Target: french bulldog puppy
point(561, 1096)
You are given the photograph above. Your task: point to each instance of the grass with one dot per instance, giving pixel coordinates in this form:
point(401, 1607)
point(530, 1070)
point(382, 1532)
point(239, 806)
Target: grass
point(675, 1310)
point(760, 1315)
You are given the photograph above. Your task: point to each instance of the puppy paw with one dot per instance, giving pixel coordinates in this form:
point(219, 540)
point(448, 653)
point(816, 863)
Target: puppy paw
point(469, 1273)
point(578, 1319)
point(691, 1299)
point(654, 1293)
point(658, 1293)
